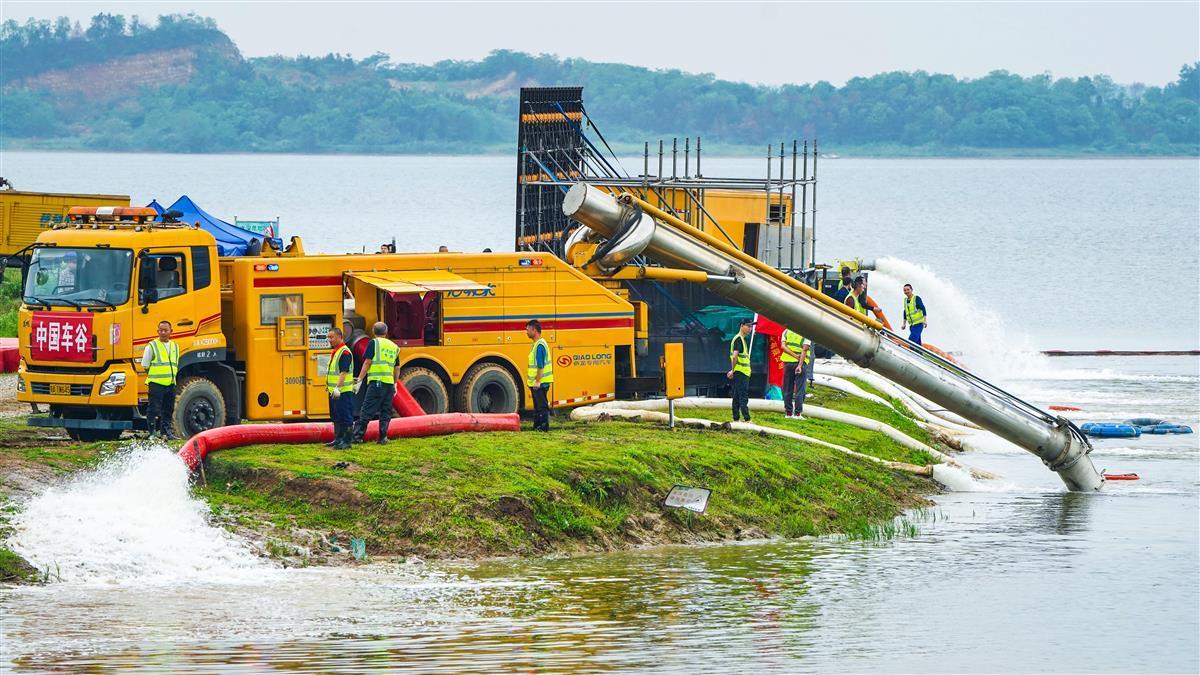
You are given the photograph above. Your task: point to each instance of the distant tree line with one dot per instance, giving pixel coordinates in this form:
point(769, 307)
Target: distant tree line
point(338, 104)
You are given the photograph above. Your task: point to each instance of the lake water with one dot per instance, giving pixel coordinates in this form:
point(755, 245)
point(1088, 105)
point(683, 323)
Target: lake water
point(1074, 254)
point(1012, 575)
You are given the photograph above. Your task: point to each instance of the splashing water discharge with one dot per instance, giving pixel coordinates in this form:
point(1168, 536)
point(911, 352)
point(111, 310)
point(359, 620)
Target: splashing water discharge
point(958, 324)
point(129, 520)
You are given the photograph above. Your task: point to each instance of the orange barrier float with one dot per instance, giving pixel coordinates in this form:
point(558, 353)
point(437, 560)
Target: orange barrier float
point(943, 354)
point(1065, 407)
point(223, 438)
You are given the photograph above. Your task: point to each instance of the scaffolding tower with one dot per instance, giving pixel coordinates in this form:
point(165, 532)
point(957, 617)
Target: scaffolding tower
point(559, 144)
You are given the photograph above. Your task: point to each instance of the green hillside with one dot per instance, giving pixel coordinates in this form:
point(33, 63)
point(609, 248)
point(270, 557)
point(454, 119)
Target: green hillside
point(181, 85)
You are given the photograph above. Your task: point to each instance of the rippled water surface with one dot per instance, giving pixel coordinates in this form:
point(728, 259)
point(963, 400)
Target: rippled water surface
point(1011, 575)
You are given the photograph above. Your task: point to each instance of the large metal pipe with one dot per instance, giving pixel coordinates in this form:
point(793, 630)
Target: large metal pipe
point(1051, 439)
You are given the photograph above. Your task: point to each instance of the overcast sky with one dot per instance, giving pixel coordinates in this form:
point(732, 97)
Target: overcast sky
point(769, 43)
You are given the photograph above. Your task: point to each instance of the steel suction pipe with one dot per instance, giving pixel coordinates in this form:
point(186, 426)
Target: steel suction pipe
point(772, 294)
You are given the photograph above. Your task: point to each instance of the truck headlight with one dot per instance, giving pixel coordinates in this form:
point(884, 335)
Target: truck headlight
point(20, 384)
point(113, 385)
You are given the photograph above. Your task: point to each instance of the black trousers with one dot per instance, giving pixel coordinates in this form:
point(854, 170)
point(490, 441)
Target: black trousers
point(741, 396)
point(795, 386)
point(377, 405)
point(161, 407)
point(541, 408)
point(341, 409)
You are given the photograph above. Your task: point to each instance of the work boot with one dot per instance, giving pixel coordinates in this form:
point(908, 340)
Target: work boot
point(383, 437)
point(337, 434)
point(341, 438)
point(357, 432)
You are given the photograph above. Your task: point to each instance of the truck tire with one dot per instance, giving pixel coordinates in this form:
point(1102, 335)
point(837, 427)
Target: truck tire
point(487, 388)
point(93, 435)
point(199, 406)
point(427, 388)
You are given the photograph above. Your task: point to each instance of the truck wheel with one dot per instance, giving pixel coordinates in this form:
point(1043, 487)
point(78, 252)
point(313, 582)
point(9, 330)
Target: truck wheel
point(93, 435)
point(427, 388)
point(487, 388)
point(199, 406)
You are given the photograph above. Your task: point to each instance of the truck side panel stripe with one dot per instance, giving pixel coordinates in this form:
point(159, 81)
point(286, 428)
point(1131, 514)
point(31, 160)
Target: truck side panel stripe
point(182, 334)
point(286, 282)
point(590, 315)
point(547, 324)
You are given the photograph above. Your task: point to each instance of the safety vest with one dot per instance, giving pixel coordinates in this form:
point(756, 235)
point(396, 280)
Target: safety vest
point(857, 303)
point(743, 355)
point(912, 314)
point(164, 363)
point(795, 342)
point(383, 364)
point(532, 368)
point(331, 375)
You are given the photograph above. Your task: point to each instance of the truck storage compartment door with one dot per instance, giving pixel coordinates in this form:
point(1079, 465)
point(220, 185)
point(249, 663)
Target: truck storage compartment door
point(292, 341)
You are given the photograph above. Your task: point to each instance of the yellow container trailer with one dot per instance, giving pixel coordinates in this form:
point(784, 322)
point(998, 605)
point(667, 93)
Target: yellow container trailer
point(25, 215)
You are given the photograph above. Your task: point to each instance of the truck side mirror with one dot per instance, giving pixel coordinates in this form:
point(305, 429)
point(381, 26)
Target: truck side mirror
point(147, 290)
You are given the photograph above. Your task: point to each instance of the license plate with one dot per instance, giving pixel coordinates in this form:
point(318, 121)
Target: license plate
point(60, 389)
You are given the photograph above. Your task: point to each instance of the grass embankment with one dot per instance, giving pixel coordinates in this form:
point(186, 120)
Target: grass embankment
point(583, 486)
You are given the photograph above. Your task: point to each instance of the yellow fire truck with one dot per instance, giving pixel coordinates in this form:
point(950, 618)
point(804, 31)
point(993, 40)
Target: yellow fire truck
point(252, 330)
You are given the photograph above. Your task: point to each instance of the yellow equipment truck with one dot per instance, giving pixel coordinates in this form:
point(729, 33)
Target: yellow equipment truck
point(25, 215)
point(252, 330)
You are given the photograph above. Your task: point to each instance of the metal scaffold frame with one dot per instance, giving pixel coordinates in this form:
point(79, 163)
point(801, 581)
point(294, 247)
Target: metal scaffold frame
point(558, 145)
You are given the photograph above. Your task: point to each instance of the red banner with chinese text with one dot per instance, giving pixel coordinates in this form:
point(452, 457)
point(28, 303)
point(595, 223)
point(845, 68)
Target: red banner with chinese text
point(770, 331)
point(59, 336)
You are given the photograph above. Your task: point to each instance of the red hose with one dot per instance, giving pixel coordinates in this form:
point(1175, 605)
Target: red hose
point(222, 438)
point(405, 404)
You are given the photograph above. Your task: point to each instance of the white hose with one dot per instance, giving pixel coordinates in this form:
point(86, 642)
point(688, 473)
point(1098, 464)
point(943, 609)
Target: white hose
point(844, 369)
point(848, 387)
point(595, 413)
point(816, 412)
point(942, 434)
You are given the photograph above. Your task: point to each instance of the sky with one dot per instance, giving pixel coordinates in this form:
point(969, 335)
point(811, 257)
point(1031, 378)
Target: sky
point(762, 43)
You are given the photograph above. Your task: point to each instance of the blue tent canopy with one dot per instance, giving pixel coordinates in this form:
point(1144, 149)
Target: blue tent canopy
point(231, 240)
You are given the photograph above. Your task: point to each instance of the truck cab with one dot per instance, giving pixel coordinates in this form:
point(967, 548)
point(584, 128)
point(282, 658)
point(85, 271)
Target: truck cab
point(95, 289)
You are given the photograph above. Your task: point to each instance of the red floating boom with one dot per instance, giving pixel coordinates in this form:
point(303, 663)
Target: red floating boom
point(223, 438)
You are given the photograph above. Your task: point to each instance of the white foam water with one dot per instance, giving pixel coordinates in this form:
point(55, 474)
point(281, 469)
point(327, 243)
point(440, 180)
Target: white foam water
point(958, 324)
point(132, 519)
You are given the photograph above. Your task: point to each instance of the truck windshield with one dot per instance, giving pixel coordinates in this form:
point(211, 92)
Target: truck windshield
point(78, 276)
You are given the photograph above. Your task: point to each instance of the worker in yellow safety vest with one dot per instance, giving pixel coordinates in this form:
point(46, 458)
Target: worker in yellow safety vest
point(739, 370)
point(380, 370)
point(844, 285)
point(161, 361)
point(339, 385)
point(539, 375)
point(855, 299)
point(914, 315)
point(796, 357)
